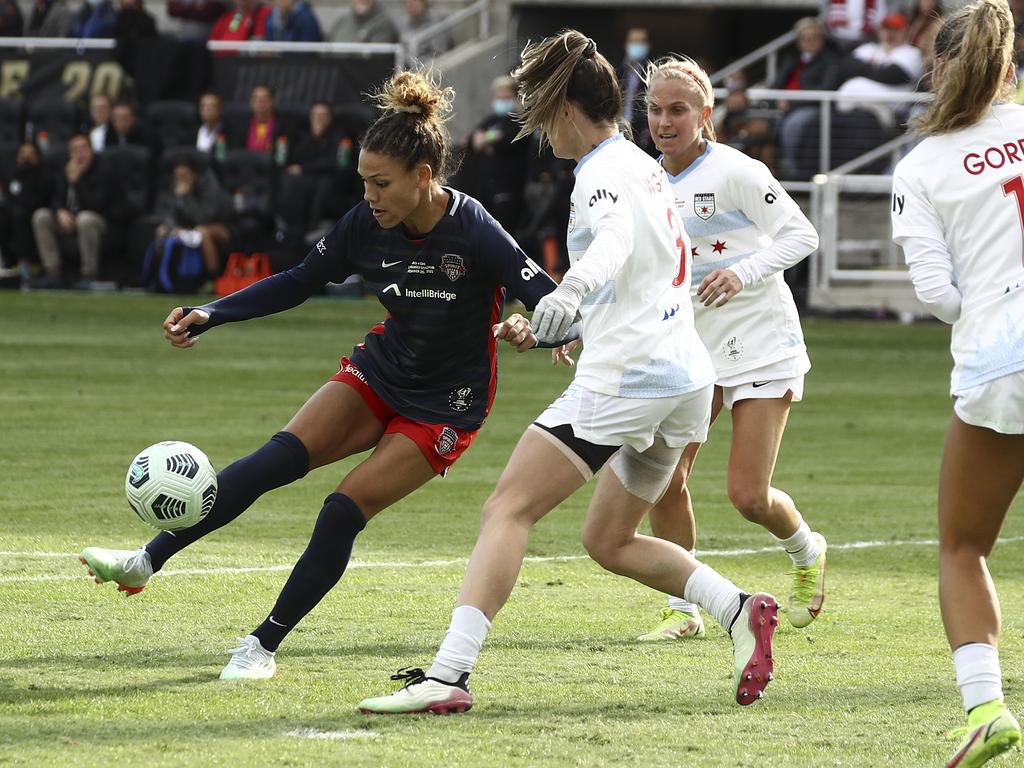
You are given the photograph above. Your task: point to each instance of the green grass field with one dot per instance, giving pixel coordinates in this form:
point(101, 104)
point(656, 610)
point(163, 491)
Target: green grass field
point(88, 677)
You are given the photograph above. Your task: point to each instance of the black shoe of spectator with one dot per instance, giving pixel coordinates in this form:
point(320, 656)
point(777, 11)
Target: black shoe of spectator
point(47, 283)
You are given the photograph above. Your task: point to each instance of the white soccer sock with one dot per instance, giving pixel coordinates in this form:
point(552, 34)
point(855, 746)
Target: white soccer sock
point(714, 593)
point(977, 674)
point(802, 547)
point(462, 644)
point(679, 603)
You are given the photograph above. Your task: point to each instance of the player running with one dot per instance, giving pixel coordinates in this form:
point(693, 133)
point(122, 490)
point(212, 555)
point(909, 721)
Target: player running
point(958, 213)
point(416, 390)
point(745, 230)
point(641, 393)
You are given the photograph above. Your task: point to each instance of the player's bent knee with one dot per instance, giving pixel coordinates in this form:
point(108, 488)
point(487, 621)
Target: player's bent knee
point(646, 475)
point(752, 503)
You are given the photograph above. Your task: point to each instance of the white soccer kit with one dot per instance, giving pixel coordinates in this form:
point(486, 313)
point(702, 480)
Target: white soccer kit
point(627, 246)
point(732, 207)
point(958, 203)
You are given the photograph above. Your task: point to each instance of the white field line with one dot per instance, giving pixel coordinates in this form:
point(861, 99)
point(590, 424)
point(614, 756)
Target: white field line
point(461, 561)
point(313, 733)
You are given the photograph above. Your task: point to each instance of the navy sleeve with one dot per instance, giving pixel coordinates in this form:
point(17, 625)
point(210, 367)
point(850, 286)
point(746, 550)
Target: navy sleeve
point(326, 262)
point(521, 276)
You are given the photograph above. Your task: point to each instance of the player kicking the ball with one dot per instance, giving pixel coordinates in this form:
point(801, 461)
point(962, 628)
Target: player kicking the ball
point(642, 390)
point(958, 212)
point(415, 391)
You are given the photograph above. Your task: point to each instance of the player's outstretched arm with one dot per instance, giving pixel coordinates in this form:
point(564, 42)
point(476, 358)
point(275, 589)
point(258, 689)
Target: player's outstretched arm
point(176, 326)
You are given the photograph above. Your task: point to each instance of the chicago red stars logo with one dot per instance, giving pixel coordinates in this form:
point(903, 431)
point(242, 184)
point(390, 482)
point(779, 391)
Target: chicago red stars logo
point(446, 441)
point(704, 205)
point(453, 266)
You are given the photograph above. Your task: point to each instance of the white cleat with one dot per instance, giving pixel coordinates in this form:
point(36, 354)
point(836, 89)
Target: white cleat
point(421, 695)
point(249, 661)
point(130, 569)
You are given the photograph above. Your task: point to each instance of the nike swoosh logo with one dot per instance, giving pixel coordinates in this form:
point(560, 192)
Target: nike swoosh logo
point(757, 384)
point(276, 623)
point(386, 264)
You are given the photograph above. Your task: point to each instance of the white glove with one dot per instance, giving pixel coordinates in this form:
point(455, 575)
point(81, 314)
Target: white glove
point(555, 313)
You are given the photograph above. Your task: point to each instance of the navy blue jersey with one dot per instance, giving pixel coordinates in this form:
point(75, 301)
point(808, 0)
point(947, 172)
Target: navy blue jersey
point(433, 359)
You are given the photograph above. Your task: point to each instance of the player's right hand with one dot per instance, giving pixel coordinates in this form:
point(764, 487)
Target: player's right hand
point(177, 323)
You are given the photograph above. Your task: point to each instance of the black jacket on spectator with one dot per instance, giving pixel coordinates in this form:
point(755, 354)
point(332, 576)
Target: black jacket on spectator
point(134, 28)
point(498, 171)
point(50, 18)
point(316, 155)
point(90, 193)
point(140, 136)
point(11, 21)
point(28, 189)
point(822, 73)
point(208, 204)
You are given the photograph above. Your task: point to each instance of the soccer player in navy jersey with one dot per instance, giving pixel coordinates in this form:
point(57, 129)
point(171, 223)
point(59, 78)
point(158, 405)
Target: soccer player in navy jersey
point(417, 389)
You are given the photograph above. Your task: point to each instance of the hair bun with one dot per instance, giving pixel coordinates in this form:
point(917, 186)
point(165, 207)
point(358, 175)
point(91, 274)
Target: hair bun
point(415, 93)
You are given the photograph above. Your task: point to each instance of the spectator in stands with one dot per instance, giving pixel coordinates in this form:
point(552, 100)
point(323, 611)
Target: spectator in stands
point(11, 20)
point(925, 20)
point(293, 21)
point(852, 22)
point(630, 72)
point(815, 65)
point(100, 107)
point(28, 189)
point(133, 27)
point(211, 134)
point(195, 18)
point(265, 130)
point(94, 19)
point(247, 21)
point(364, 22)
point(498, 164)
point(418, 17)
point(125, 128)
point(50, 18)
point(743, 128)
point(77, 209)
point(319, 180)
point(892, 65)
point(198, 211)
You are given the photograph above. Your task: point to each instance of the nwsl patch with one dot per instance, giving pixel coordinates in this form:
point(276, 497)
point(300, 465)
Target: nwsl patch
point(453, 266)
point(704, 205)
point(460, 399)
point(446, 441)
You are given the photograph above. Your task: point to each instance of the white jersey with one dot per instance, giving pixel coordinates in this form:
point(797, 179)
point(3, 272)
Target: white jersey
point(966, 190)
point(732, 207)
point(627, 244)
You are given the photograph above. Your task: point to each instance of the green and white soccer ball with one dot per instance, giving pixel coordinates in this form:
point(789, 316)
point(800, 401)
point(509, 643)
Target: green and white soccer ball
point(171, 485)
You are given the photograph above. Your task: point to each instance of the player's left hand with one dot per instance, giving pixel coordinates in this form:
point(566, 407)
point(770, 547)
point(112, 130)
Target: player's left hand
point(515, 329)
point(555, 313)
point(562, 354)
point(721, 285)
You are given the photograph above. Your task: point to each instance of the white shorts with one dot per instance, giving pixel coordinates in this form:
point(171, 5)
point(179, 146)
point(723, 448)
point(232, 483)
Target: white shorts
point(996, 404)
point(768, 382)
point(633, 421)
point(763, 390)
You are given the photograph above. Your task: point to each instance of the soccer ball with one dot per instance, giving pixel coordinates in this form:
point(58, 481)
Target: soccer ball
point(171, 485)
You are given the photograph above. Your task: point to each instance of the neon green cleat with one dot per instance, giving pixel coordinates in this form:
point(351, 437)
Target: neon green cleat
point(991, 730)
point(808, 593)
point(421, 695)
point(131, 570)
point(675, 625)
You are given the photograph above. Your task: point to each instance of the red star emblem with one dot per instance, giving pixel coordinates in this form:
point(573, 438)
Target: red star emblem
point(693, 252)
point(718, 247)
point(705, 209)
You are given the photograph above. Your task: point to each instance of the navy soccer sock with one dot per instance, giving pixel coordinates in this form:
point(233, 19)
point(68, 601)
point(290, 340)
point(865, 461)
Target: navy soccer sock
point(282, 460)
point(319, 568)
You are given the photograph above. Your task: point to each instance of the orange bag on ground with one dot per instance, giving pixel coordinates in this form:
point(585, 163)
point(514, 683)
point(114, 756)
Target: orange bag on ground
point(242, 270)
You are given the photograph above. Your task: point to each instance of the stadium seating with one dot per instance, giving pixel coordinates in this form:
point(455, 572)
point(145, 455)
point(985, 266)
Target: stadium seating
point(54, 118)
point(175, 122)
point(12, 125)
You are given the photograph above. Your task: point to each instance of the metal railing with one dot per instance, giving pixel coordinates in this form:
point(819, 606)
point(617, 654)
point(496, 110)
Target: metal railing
point(768, 51)
point(481, 8)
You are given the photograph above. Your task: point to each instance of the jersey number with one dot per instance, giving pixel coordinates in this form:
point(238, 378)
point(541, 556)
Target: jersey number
point(673, 224)
point(1015, 187)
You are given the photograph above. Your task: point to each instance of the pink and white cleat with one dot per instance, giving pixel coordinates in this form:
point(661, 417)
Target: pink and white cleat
point(752, 633)
point(421, 695)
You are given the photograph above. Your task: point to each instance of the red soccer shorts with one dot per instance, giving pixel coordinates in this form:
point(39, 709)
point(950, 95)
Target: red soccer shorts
point(440, 444)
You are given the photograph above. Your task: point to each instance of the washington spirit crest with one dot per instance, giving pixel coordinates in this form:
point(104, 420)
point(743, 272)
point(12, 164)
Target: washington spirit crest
point(453, 266)
point(446, 441)
point(704, 205)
